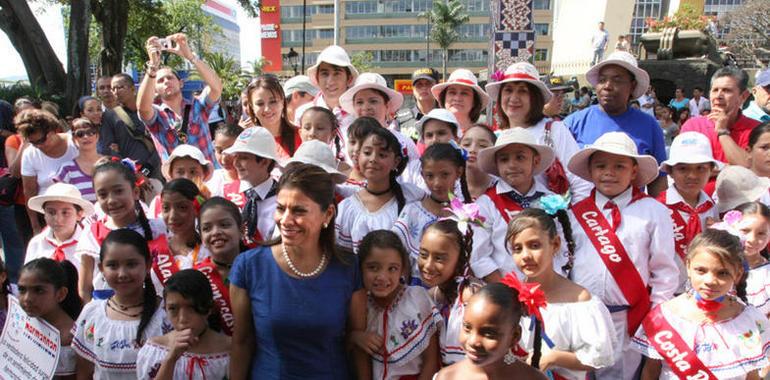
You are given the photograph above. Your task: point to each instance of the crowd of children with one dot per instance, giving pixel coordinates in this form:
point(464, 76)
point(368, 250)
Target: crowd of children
point(467, 259)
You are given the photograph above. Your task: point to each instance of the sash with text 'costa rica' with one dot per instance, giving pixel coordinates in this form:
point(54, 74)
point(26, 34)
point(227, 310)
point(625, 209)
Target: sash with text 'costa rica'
point(670, 345)
point(221, 295)
point(614, 255)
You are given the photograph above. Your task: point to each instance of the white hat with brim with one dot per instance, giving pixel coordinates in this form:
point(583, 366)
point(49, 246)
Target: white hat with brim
point(615, 143)
point(187, 151)
point(520, 72)
point(333, 55)
point(461, 77)
point(61, 192)
point(371, 81)
point(486, 157)
point(690, 148)
point(318, 153)
point(626, 61)
point(257, 141)
point(440, 114)
point(737, 185)
point(299, 83)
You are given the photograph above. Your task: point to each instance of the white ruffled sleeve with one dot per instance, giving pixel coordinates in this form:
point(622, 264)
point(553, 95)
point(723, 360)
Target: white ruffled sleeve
point(593, 334)
point(343, 222)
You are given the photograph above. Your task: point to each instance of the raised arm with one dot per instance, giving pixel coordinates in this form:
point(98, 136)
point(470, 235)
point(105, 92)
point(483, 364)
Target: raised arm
point(146, 93)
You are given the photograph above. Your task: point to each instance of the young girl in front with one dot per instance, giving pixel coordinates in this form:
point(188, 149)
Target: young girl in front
point(181, 248)
point(443, 268)
point(192, 350)
point(474, 140)
point(117, 193)
point(558, 339)
point(220, 226)
point(753, 221)
point(624, 240)
point(516, 158)
point(490, 331)
point(357, 132)
point(759, 150)
point(378, 204)
point(318, 123)
point(48, 290)
point(224, 181)
point(400, 332)
point(442, 165)
point(438, 126)
point(186, 161)
point(707, 332)
point(109, 333)
point(63, 209)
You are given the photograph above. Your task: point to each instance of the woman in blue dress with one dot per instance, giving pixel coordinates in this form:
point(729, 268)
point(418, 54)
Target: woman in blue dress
point(291, 296)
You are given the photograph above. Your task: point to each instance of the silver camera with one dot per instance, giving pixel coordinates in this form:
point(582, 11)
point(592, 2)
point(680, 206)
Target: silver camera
point(165, 43)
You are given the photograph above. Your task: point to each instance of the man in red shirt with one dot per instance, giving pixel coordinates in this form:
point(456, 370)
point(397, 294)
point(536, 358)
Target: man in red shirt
point(726, 127)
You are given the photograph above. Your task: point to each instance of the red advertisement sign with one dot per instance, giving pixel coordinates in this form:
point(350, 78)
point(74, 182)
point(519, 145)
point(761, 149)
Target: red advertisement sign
point(270, 33)
point(403, 86)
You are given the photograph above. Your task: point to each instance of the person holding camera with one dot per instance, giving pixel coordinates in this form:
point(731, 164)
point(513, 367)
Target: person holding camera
point(177, 120)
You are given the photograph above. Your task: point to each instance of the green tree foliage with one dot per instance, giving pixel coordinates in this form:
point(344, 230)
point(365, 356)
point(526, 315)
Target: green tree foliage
point(362, 60)
point(445, 17)
point(749, 37)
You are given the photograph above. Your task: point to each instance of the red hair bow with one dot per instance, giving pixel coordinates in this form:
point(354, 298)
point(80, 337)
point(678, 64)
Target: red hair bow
point(530, 294)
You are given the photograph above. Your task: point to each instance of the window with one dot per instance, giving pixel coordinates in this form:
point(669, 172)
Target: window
point(541, 29)
point(325, 34)
point(476, 5)
point(325, 9)
point(541, 54)
point(360, 7)
point(542, 4)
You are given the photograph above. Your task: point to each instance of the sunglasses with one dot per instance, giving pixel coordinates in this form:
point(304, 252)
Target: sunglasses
point(80, 133)
point(40, 141)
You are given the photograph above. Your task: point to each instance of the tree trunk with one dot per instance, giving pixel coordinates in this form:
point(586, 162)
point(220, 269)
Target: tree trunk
point(78, 70)
point(445, 60)
point(112, 16)
point(44, 69)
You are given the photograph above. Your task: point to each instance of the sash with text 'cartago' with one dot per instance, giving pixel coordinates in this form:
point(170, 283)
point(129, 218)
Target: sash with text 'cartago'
point(670, 345)
point(614, 255)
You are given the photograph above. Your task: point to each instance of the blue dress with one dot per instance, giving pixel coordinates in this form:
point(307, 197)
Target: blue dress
point(300, 324)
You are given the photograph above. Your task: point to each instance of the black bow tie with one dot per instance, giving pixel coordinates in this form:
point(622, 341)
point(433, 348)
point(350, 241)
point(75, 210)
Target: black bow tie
point(523, 200)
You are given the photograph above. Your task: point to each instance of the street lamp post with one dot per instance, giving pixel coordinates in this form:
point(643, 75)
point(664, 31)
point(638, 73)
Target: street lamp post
point(292, 56)
point(304, 18)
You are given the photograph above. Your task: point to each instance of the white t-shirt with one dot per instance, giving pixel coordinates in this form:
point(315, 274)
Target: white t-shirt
point(35, 163)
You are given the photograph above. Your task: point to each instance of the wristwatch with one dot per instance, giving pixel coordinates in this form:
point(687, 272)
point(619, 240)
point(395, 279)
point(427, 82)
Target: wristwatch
point(723, 132)
point(150, 69)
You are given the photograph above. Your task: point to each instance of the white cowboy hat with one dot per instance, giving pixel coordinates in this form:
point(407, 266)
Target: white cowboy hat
point(62, 192)
point(520, 72)
point(318, 153)
point(486, 158)
point(626, 61)
point(461, 77)
point(299, 83)
point(257, 141)
point(737, 185)
point(333, 55)
point(690, 148)
point(441, 114)
point(616, 143)
point(185, 150)
point(371, 81)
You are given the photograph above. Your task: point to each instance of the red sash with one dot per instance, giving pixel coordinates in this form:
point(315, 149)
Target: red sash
point(156, 211)
point(221, 295)
point(670, 345)
point(163, 262)
point(680, 239)
point(614, 255)
point(232, 192)
point(505, 205)
point(100, 231)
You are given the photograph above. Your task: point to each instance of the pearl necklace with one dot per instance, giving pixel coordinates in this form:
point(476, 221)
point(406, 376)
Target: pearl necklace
point(296, 271)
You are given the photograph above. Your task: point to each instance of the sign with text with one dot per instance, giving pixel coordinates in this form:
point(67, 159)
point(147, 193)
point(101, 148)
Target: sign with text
point(29, 347)
point(403, 86)
point(270, 34)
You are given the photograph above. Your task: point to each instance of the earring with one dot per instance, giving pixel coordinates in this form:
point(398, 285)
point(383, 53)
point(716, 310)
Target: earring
point(509, 358)
point(326, 225)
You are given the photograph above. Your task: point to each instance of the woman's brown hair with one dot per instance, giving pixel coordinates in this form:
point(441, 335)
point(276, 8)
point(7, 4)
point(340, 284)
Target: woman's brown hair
point(475, 110)
point(271, 83)
point(31, 121)
point(536, 104)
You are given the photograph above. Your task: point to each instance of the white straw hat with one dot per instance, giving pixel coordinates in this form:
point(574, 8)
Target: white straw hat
point(690, 148)
point(486, 157)
point(626, 61)
point(185, 150)
point(371, 81)
point(62, 192)
point(461, 77)
point(257, 141)
point(616, 143)
point(333, 55)
point(737, 185)
point(441, 114)
point(320, 154)
point(520, 72)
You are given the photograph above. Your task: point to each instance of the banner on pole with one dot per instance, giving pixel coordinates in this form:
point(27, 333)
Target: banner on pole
point(514, 34)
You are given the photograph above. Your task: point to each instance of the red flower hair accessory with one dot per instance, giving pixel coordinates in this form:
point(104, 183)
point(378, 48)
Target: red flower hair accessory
point(530, 294)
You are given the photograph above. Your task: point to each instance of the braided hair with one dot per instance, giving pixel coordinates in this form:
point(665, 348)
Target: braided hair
point(464, 243)
point(187, 189)
point(451, 153)
point(391, 143)
point(335, 127)
point(537, 218)
point(128, 171)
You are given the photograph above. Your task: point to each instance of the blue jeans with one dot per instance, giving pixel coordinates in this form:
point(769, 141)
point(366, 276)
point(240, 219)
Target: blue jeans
point(13, 244)
point(598, 55)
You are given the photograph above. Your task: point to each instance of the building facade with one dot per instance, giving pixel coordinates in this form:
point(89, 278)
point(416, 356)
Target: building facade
point(228, 42)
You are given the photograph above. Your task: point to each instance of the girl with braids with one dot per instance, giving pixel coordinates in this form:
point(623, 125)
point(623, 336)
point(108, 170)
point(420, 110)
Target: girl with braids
point(116, 183)
point(378, 204)
point(394, 324)
point(318, 123)
point(438, 126)
point(574, 333)
point(109, 332)
point(490, 332)
point(357, 132)
point(48, 290)
point(754, 224)
point(192, 350)
point(442, 165)
point(707, 332)
point(267, 109)
point(443, 268)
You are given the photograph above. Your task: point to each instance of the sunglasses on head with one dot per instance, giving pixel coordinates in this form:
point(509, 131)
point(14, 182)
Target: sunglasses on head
point(80, 133)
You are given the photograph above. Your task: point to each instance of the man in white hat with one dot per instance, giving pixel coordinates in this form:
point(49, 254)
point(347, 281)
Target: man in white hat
point(725, 126)
point(333, 74)
point(759, 109)
point(299, 91)
point(618, 79)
